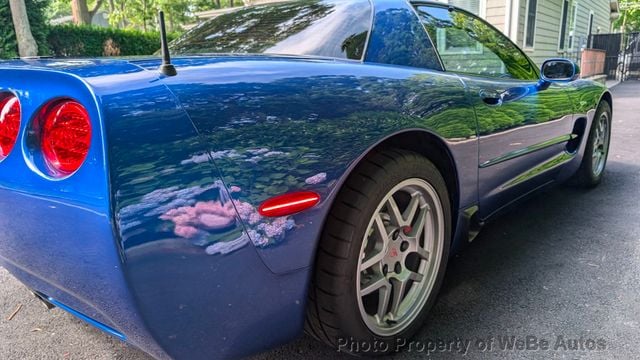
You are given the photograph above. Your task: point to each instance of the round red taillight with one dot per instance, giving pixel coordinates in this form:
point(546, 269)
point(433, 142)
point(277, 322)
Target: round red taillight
point(9, 123)
point(65, 136)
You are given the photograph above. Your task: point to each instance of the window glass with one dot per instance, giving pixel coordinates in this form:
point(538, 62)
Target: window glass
point(532, 9)
point(398, 38)
point(472, 6)
point(467, 44)
point(572, 24)
point(328, 28)
point(563, 23)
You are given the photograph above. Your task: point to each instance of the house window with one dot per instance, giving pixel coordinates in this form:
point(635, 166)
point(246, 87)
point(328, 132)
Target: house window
point(477, 7)
point(530, 23)
point(563, 24)
point(572, 24)
point(590, 30)
point(472, 6)
point(452, 42)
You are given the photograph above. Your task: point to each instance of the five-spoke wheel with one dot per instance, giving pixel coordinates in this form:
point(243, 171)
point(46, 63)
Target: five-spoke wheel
point(399, 257)
point(596, 149)
point(600, 143)
point(383, 252)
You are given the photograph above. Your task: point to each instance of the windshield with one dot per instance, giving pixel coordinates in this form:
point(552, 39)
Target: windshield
point(327, 28)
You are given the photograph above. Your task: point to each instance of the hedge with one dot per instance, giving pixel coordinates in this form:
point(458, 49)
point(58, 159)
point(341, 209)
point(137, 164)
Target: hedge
point(91, 41)
point(35, 12)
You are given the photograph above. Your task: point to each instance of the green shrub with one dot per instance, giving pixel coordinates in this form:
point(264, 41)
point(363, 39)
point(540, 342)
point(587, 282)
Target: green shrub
point(35, 11)
point(91, 41)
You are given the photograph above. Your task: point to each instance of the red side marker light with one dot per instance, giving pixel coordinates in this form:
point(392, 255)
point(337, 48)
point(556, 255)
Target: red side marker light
point(288, 204)
point(9, 123)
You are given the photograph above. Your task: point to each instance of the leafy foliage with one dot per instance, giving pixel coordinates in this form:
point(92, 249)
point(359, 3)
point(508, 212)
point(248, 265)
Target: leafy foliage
point(629, 20)
point(141, 14)
point(89, 41)
point(400, 40)
point(36, 13)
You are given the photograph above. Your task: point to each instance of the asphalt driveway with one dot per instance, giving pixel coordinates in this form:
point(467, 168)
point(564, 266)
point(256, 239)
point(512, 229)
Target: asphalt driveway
point(563, 268)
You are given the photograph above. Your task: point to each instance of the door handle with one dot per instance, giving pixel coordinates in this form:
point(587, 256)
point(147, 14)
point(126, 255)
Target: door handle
point(491, 97)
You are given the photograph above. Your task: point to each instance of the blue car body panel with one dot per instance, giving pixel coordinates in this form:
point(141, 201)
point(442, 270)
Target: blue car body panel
point(157, 235)
point(57, 236)
point(234, 120)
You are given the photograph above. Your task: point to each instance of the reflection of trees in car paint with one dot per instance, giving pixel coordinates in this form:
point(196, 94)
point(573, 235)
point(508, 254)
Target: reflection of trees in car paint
point(549, 104)
point(275, 137)
point(267, 148)
point(268, 138)
point(202, 222)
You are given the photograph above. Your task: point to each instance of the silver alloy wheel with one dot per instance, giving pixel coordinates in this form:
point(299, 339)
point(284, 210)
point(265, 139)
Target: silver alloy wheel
point(400, 257)
point(600, 144)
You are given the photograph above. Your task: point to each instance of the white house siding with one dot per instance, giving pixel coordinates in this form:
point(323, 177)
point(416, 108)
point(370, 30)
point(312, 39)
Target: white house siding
point(548, 19)
point(522, 14)
point(469, 5)
point(547, 30)
point(495, 13)
point(601, 17)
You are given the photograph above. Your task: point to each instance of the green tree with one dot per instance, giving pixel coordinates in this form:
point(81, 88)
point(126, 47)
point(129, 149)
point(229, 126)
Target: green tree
point(81, 13)
point(26, 43)
point(629, 20)
point(36, 16)
point(136, 14)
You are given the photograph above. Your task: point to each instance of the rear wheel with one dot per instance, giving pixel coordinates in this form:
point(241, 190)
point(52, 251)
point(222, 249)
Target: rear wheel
point(597, 149)
point(382, 254)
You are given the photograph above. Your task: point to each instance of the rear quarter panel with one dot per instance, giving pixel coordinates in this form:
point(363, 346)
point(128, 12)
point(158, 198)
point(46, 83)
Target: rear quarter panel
point(277, 125)
point(585, 96)
point(202, 295)
point(57, 235)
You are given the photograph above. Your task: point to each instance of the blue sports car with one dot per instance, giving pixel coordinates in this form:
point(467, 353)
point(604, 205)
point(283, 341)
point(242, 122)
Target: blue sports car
point(298, 166)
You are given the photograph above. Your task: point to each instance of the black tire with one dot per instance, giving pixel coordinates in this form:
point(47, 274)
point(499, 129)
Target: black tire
point(588, 176)
point(333, 316)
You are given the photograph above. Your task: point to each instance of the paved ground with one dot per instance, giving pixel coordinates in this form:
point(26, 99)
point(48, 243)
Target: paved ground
point(565, 264)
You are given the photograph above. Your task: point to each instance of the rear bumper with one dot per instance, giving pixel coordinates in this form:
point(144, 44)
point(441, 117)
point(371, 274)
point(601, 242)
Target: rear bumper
point(187, 304)
point(77, 266)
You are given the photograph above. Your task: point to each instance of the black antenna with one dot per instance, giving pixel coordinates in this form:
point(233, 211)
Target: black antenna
point(166, 68)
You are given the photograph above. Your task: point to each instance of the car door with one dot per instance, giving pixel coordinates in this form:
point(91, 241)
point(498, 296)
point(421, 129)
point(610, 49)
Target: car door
point(524, 128)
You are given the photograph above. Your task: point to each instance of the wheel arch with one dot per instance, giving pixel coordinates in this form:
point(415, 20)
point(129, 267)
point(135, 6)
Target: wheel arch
point(425, 143)
point(421, 141)
point(606, 96)
point(436, 150)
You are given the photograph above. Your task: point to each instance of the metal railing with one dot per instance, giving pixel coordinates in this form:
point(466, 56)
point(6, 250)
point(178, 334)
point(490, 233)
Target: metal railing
point(622, 60)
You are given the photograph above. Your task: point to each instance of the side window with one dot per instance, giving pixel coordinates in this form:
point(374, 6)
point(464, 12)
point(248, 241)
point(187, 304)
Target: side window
point(468, 45)
point(398, 38)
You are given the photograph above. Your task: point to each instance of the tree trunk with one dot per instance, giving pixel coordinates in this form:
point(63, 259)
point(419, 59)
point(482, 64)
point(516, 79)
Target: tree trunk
point(144, 15)
point(81, 13)
point(218, 4)
point(231, 3)
point(26, 43)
